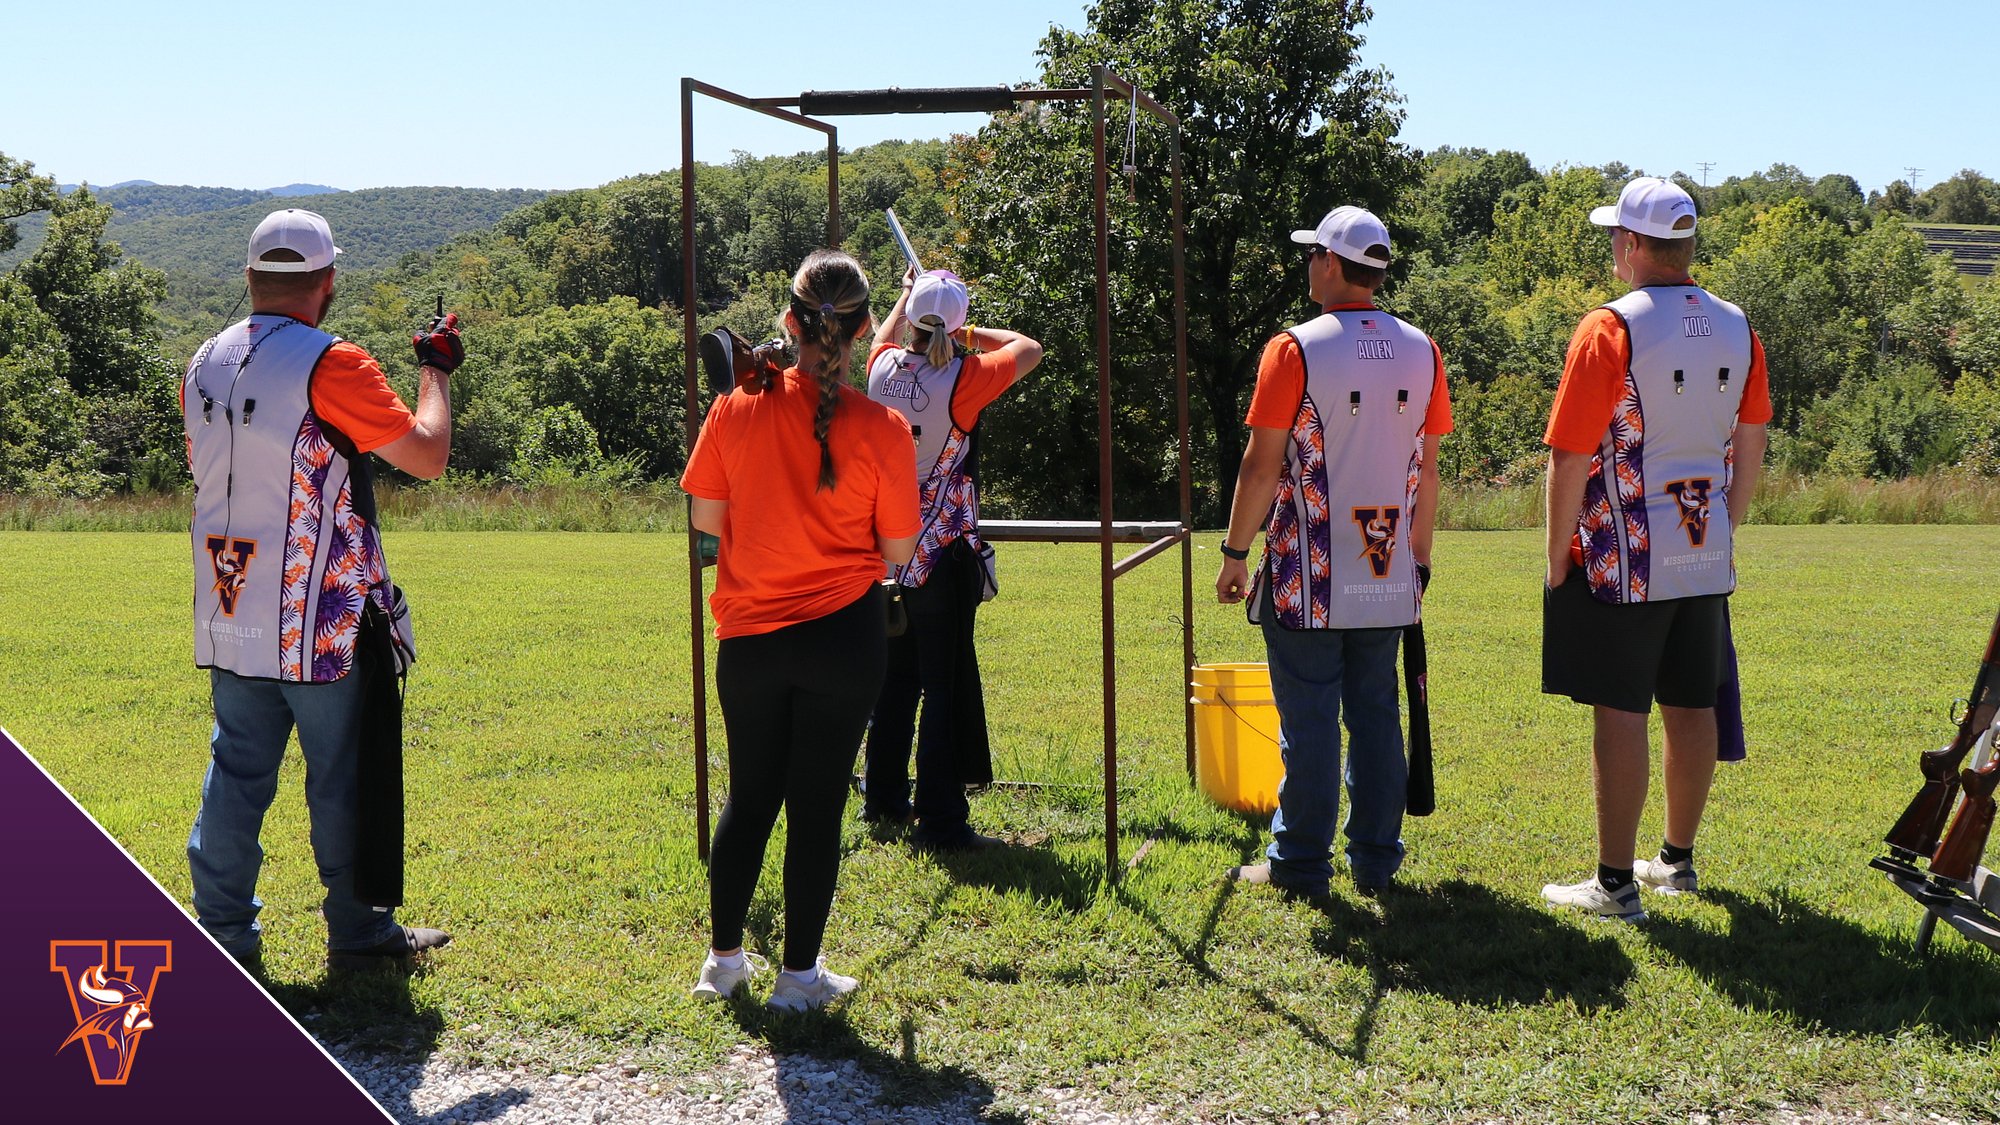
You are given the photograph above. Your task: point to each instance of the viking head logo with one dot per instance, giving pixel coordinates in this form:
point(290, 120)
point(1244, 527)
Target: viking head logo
point(230, 560)
point(1691, 498)
point(1378, 536)
point(112, 1011)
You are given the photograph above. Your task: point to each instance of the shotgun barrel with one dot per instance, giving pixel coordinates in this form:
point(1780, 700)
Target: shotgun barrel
point(1918, 831)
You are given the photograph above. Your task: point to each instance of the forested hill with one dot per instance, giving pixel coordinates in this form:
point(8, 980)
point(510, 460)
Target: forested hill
point(201, 231)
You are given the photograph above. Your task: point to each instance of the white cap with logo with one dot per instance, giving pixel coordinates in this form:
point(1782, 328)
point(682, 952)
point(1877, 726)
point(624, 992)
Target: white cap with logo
point(938, 301)
point(302, 232)
point(1349, 232)
point(1650, 206)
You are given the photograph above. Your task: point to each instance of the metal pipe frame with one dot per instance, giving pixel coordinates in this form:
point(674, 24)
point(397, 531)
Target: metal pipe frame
point(1104, 83)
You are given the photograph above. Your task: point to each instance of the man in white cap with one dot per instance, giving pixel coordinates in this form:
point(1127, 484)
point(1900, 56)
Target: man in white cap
point(1344, 427)
point(1656, 440)
point(294, 613)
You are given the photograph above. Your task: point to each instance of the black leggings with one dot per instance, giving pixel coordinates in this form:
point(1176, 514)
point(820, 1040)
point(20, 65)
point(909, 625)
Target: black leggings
point(794, 704)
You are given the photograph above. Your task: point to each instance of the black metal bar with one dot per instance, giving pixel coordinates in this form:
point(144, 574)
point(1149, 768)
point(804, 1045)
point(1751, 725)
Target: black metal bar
point(1187, 478)
point(1132, 561)
point(698, 657)
point(832, 189)
point(1108, 628)
point(897, 99)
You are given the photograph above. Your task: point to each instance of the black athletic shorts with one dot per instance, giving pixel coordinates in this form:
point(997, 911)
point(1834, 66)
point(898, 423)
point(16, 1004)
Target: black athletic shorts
point(1626, 656)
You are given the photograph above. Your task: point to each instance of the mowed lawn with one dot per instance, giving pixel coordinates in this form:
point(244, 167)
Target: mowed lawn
point(551, 825)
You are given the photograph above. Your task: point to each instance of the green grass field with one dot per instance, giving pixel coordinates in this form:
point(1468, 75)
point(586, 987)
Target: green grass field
point(551, 828)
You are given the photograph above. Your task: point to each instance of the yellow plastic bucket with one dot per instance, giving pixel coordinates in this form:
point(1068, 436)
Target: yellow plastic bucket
point(1236, 736)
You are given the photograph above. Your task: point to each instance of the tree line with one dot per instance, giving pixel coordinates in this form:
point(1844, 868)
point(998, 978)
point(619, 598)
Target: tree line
point(1884, 361)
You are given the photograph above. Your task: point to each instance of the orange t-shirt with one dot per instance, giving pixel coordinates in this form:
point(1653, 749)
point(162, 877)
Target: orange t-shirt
point(985, 376)
point(1281, 384)
point(350, 392)
point(790, 552)
point(1593, 380)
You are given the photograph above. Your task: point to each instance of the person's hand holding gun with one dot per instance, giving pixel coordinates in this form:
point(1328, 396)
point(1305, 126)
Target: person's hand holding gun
point(439, 345)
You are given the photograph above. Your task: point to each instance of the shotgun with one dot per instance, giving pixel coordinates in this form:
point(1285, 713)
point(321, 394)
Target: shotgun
point(1958, 855)
point(1420, 790)
point(1917, 832)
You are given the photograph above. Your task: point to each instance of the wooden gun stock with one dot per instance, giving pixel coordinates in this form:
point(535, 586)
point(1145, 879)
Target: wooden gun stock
point(1959, 854)
point(1918, 830)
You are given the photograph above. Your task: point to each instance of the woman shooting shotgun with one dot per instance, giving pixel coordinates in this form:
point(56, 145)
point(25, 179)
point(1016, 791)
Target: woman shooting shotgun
point(809, 486)
point(939, 372)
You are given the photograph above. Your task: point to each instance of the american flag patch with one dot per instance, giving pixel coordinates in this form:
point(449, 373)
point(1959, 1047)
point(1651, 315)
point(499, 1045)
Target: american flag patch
point(1693, 301)
point(1369, 326)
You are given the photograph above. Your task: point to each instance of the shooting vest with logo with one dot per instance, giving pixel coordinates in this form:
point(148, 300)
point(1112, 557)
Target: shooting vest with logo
point(284, 551)
point(1655, 519)
point(947, 457)
point(1334, 553)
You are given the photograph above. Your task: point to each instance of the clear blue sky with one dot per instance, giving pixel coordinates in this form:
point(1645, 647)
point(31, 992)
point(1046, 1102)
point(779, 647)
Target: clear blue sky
point(572, 94)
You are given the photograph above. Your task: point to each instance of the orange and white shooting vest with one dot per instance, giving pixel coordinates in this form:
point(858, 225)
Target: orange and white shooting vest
point(1335, 552)
point(1655, 519)
point(947, 459)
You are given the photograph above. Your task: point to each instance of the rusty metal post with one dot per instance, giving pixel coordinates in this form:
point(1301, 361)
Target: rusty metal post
point(1187, 478)
point(832, 188)
point(1109, 631)
point(698, 657)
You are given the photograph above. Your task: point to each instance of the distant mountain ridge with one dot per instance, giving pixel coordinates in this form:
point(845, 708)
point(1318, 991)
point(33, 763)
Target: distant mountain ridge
point(288, 189)
point(202, 230)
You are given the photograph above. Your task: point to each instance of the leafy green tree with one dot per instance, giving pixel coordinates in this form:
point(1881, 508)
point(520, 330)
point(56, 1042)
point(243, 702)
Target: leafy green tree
point(1976, 340)
point(1542, 232)
point(619, 365)
point(1787, 275)
point(21, 193)
point(1497, 428)
point(103, 311)
point(1279, 123)
point(1452, 210)
point(1965, 198)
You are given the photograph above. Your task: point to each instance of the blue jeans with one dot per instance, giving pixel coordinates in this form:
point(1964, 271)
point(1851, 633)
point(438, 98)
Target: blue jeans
point(1315, 673)
point(253, 720)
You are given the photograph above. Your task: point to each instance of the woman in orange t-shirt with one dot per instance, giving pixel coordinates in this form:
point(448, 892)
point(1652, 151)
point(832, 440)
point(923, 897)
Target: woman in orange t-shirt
point(809, 486)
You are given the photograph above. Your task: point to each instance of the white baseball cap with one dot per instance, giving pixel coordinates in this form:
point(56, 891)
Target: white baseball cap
point(1349, 232)
point(1651, 206)
point(302, 232)
point(938, 301)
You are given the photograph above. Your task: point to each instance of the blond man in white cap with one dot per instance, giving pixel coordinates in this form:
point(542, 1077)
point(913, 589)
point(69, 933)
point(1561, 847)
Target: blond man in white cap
point(1344, 429)
point(1656, 440)
point(939, 371)
point(294, 614)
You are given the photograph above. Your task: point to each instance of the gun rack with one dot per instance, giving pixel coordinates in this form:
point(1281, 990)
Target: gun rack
point(805, 110)
point(1976, 916)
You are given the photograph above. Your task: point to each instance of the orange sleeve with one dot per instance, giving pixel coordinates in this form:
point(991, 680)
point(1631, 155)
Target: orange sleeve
point(898, 508)
point(1437, 417)
point(983, 378)
point(1281, 385)
point(1593, 377)
point(1755, 409)
point(705, 476)
point(350, 393)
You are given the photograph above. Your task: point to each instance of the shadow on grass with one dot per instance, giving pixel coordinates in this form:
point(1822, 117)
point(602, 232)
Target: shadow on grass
point(805, 1084)
point(373, 1014)
point(1033, 871)
point(1780, 954)
point(1464, 943)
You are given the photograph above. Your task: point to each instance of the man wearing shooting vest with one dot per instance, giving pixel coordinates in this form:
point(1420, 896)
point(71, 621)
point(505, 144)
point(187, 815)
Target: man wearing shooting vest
point(1656, 440)
point(1344, 426)
point(294, 614)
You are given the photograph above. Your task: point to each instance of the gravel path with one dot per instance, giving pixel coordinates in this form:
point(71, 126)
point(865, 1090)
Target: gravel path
point(751, 1085)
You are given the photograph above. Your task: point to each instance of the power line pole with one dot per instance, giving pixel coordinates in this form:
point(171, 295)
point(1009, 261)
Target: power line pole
point(1913, 177)
point(1704, 165)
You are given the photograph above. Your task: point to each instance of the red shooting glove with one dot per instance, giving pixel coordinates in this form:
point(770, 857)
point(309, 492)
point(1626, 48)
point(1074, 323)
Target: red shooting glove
point(440, 346)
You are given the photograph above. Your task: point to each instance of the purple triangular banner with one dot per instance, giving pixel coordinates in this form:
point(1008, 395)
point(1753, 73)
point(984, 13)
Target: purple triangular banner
point(115, 1006)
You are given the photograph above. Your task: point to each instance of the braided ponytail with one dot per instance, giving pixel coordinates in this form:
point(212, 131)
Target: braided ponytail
point(830, 306)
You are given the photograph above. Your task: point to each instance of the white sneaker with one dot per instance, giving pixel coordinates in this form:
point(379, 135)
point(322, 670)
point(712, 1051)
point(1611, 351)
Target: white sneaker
point(1590, 896)
point(1666, 878)
point(791, 994)
point(718, 981)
